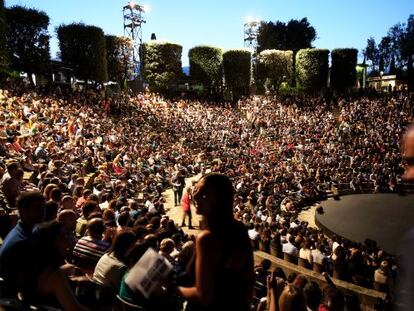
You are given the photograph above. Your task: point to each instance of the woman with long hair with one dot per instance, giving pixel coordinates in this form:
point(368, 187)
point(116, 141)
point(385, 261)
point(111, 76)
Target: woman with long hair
point(223, 270)
point(47, 283)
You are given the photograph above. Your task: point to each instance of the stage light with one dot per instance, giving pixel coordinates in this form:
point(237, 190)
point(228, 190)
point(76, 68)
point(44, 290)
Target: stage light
point(146, 8)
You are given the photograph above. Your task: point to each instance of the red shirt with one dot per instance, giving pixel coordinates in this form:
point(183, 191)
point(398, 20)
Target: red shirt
point(186, 202)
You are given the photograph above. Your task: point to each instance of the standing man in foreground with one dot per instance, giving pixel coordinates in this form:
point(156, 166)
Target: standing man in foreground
point(16, 246)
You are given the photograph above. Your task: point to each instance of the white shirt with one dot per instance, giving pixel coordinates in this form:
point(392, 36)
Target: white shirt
point(318, 257)
point(253, 234)
point(305, 254)
point(290, 249)
point(109, 271)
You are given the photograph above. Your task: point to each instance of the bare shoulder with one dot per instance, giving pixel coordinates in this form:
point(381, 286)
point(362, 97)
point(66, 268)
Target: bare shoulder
point(50, 280)
point(206, 239)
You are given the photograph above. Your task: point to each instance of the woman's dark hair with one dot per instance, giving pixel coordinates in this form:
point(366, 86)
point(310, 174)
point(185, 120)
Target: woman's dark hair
point(122, 243)
point(152, 241)
point(44, 252)
point(123, 219)
point(51, 210)
point(266, 264)
point(108, 215)
point(77, 191)
point(279, 273)
point(223, 189)
point(291, 299)
point(44, 255)
point(136, 252)
point(56, 194)
point(335, 298)
point(312, 295)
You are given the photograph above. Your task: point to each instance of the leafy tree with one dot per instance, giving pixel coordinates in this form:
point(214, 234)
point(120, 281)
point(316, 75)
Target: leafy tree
point(299, 35)
point(28, 40)
point(295, 35)
point(4, 56)
point(408, 50)
point(371, 53)
point(395, 51)
point(396, 36)
point(271, 36)
point(206, 65)
point(312, 69)
point(161, 64)
point(119, 58)
point(237, 65)
point(386, 54)
point(83, 46)
point(275, 66)
point(343, 70)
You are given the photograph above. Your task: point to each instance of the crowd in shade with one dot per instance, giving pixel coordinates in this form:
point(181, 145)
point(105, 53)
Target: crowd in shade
point(86, 173)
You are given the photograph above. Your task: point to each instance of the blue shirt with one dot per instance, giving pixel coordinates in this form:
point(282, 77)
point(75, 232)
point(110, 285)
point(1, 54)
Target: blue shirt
point(13, 258)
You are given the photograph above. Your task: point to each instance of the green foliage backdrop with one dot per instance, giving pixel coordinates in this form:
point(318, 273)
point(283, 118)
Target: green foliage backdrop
point(343, 69)
point(161, 64)
point(237, 65)
point(275, 66)
point(28, 40)
point(84, 47)
point(312, 69)
point(119, 58)
point(206, 64)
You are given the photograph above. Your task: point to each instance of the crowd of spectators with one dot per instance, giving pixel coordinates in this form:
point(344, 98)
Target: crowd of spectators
point(100, 164)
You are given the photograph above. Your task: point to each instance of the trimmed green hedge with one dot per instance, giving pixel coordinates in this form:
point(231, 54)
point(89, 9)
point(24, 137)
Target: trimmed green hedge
point(343, 70)
point(206, 64)
point(161, 64)
point(84, 47)
point(275, 66)
point(237, 65)
point(312, 67)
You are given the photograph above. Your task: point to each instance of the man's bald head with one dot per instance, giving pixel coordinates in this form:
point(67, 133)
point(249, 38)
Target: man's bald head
point(68, 219)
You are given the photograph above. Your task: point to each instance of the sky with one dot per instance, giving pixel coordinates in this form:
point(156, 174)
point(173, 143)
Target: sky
point(338, 23)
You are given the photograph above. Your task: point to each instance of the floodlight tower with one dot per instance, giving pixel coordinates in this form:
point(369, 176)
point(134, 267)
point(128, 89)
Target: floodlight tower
point(133, 20)
point(251, 31)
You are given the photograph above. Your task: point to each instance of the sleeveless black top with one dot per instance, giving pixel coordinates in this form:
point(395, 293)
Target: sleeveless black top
point(233, 287)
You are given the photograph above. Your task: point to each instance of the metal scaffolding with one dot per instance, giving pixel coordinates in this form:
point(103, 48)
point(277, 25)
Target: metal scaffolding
point(133, 20)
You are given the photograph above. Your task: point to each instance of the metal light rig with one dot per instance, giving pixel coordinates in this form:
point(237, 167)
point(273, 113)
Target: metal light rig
point(251, 31)
point(133, 20)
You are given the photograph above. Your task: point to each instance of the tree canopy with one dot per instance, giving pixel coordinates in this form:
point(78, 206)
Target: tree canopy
point(28, 40)
point(119, 58)
point(84, 47)
point(343, 69)
point(206, 64)
point(161, 64)
point(395, 52)
point(275, 66)
point(295, 35)
point(237, 65)
point(312, 69)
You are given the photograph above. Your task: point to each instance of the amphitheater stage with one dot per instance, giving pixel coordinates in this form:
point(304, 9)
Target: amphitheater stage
point(384, 218)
